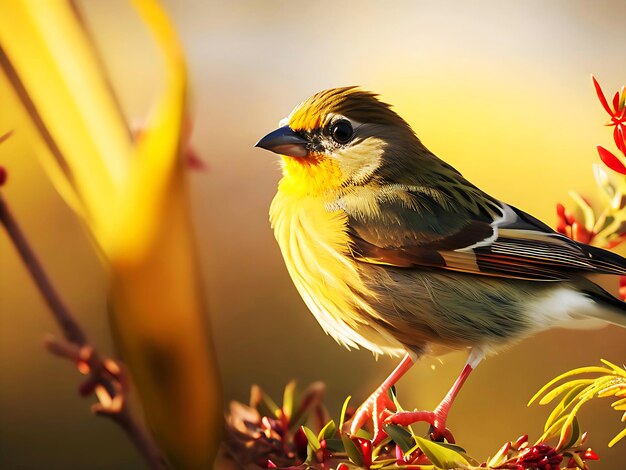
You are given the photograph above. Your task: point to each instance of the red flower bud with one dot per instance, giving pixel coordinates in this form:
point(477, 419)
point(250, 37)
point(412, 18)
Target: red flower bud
point(590, 455)
point(522, 439)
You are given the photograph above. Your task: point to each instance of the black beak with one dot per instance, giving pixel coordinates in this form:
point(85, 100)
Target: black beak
point(284, 141)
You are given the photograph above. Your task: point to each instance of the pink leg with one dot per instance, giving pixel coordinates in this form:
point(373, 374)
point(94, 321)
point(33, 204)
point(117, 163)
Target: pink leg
point(377, 406)
point(438, 417)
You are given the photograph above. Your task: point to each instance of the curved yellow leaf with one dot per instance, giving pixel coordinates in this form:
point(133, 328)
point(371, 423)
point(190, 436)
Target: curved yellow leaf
point(157, 152)
point(48, 59)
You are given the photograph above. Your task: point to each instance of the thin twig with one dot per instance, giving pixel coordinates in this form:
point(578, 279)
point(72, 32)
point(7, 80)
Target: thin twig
point(105, 377)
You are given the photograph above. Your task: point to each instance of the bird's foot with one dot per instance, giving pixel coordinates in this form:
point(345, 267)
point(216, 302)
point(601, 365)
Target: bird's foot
point(436, 419)
point(379, 406)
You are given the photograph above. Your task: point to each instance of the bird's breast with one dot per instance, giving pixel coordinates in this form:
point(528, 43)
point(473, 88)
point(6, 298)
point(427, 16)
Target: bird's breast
point(315, 246)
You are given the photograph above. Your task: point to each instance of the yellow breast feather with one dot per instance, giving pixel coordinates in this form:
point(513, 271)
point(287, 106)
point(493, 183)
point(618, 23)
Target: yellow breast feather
point(315, 247)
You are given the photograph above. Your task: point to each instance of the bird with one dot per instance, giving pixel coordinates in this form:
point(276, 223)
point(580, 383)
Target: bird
point(394, 251)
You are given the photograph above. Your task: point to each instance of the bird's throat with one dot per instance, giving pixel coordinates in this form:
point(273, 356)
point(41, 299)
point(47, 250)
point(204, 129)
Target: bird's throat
point(310, 176)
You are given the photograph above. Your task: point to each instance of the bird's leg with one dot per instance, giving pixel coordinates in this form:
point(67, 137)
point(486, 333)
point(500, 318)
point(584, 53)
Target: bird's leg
point(438, 417)
point(378, 406)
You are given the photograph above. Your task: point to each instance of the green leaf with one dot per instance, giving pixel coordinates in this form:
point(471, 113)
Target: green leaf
point(364, 434)
point(312, 438)
point(582, 370)
point(574, 434)
point(614, 368)
point(400, 436)
point(335, 445)
point(263, 402)
point(560, 409)
point(289, 399)
point(412, 467)
point(454, 447)
point(500, 456)
point(354, 453)
point(553, 430)
point(383, 463)
point(618, 438)
point(394, 398)
point(327, 431)
point(439, 455)
point(378, 448)
point(342, 417)
point(578, 460)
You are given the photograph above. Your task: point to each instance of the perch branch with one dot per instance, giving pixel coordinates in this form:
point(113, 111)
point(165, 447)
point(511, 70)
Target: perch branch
point(105, 377)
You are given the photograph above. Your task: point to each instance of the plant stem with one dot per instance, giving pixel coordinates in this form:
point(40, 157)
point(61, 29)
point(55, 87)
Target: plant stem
point(74, 334)
point(71, 330)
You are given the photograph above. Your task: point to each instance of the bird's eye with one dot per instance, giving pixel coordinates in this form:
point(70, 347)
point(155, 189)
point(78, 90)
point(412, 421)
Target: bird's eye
point(341, 131)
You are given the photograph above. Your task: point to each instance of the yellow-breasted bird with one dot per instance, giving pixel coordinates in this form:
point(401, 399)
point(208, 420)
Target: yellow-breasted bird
point(394, 251)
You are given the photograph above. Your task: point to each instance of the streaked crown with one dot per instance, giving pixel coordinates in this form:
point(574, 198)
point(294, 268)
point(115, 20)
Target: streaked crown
point(350, 102)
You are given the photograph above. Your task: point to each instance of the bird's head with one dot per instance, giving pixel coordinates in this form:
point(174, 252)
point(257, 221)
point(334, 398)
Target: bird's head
point(340, 137)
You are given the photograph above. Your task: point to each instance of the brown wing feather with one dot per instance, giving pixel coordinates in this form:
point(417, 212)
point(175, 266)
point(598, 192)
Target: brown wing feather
point(530, 250)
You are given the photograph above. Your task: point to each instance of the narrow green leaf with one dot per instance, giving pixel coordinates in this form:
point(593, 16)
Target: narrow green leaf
point(454, 447)
point(400, 436)
point(564, 388)
point(267, 406)
point(439, 455)
point(383, 463)
point(461, 451)
point(553, 430)
point(412, 467)
point(380, 447)
point(615, 368)
point(500, 457)
point(564, 404)
point(310, 455)
point(364, 434)
point(619, 405)
point(312, 438)
point(289, 399)
point(569, 420)
point(578, 460)
point(342, 417)
point(327, 431)
point(354, 453)
point(574, 434)
point(581, 370)
point(618, 438)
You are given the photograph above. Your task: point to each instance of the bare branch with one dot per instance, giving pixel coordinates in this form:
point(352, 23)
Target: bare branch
point(106, 378)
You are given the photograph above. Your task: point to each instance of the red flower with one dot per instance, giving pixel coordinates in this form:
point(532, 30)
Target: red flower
point(618, 121)
point(540, 456)
point(570, 227)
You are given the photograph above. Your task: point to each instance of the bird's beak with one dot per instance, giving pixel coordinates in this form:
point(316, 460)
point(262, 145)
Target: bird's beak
point(284, 141)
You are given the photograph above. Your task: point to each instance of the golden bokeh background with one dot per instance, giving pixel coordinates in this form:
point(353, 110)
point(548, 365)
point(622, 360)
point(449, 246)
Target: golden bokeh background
point(501, 90)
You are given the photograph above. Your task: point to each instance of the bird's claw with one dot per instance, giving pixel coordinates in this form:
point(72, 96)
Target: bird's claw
point(436, 419)
point(379, 407)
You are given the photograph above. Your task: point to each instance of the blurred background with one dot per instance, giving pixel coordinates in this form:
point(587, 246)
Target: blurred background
point(501, 90)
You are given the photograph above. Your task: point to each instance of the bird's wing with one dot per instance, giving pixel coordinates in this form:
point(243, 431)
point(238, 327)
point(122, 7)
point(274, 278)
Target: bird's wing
point(492, 239)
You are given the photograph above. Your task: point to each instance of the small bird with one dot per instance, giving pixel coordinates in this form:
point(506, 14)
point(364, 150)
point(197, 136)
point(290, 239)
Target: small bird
point(393, 250)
